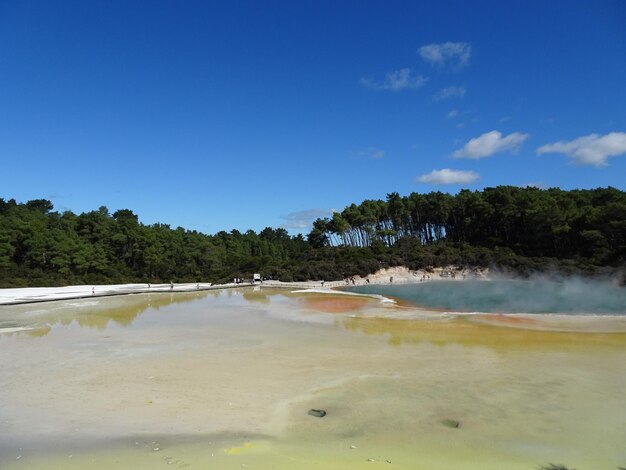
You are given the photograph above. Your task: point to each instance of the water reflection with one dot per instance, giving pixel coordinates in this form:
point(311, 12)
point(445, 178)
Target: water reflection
point(39, 319)
point(257, 295)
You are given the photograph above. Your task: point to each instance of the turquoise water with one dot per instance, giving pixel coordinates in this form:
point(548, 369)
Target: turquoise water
point(572, 296)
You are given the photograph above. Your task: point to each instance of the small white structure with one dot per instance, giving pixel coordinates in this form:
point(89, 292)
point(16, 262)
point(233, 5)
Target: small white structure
point(256, 278)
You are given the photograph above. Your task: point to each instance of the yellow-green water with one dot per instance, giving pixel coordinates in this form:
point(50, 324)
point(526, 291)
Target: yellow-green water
point(225, 379)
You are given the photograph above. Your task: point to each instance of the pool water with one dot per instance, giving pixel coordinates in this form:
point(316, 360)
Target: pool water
point(571, 296)
point(225, 380)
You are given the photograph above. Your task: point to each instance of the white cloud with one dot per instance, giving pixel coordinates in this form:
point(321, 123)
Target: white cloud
point(303, 220)
point(449, 92)
point(452, 114)
point(491, 143)
point(395, 81)
point(454, 53)
point(371, 152)
point(592, 149)
point(448, 176)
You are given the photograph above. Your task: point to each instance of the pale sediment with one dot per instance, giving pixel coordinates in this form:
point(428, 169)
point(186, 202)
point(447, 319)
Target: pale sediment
point(15, 296)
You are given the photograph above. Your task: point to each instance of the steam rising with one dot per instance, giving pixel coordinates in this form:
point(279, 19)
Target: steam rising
point(540, 294)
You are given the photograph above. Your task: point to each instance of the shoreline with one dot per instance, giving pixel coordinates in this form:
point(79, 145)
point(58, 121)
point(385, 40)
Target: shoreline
point(396, 275)
point(31, 295)
point(387, 276)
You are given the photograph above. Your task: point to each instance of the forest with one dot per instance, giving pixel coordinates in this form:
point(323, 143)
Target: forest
point(520, 229)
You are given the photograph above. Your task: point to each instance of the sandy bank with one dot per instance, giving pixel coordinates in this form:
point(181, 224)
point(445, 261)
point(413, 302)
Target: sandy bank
point(403, 275)
point(396, 275)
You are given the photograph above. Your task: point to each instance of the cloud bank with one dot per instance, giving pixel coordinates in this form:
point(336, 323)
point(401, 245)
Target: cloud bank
point(397, 80)
point(448, 176)
point(453, 53)
point(489, 144)
point(592, 149)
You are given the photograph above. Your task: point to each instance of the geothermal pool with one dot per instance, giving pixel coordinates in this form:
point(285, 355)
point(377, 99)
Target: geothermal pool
point(575, 296)
point(224, 380)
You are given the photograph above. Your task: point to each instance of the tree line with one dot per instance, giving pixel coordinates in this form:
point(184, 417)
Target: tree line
point(530, 221)
point(39, 246)
point(521, 228)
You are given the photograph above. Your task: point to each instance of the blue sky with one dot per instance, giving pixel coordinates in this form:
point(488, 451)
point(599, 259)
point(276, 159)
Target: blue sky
point(241, 115)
